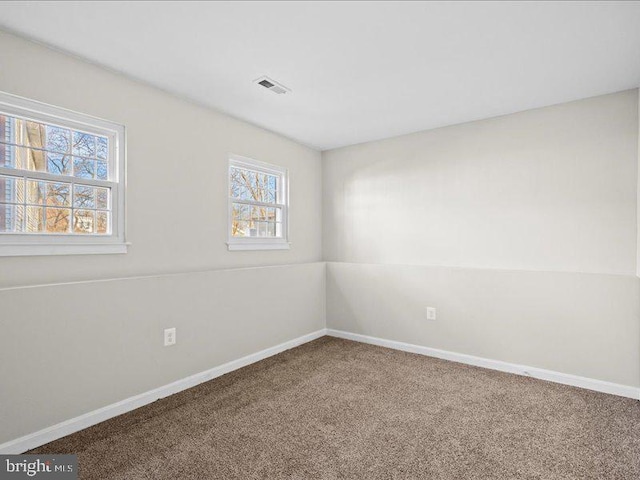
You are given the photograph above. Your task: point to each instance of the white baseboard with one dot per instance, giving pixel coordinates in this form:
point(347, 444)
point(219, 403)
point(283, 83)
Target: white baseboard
point(73, 425)
point(539, 373)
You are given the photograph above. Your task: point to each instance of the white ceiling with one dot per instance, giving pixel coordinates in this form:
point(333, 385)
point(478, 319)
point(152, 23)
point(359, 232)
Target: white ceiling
point(358, 71)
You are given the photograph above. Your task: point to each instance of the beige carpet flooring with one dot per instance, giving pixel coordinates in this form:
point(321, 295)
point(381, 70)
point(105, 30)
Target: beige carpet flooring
point(335, 409)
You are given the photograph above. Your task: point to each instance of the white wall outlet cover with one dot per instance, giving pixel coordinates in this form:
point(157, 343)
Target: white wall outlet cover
point(169, 336)
point(431, 313)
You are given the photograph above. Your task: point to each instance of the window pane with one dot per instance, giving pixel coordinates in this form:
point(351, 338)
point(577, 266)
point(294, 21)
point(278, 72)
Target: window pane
point(11, 189)
point(242, 192)
point(84, 167)
point(30, 159)
point(84, 145)
point(58, 194)
point(84, 221)
point(249, 185)
point(11, 218)
point(7, 156)
point(23, 132)
point(34, 222)
point(260, 213)
point(273, 187)
point(240, 228)
point(260, 188)
point(58, 139)
point(102, 222)
point(102, 172)
point(242, 184)
point(32, 134)
point(7, 129)
point(58, 164)
point(255, 221)
point(35, 192)
point(240, 211)
point(23, 158)
point(58, 220)
point(84, 197)
point(102, 198)
point(102, 148)
point(48, 204)
point(265, 214)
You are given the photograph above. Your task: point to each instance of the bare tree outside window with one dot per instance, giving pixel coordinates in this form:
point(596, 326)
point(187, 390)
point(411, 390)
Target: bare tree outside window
point(254, 219)
point(257, 204)
point(45, 206)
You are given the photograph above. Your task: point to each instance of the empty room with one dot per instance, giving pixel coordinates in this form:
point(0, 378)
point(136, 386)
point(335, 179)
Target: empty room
point(319, 240)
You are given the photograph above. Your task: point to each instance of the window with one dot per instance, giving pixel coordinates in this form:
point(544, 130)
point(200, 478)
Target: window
point(258, 204)
point(61, 181)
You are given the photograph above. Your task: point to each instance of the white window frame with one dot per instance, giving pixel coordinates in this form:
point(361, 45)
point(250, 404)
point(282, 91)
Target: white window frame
point(259, 243)
point(25, 244)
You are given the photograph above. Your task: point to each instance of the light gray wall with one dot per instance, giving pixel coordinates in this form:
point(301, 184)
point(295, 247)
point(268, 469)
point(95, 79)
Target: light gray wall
point(67, 349)
point(467, 218)
point(547, 189)
point(638, 197)
point(177, 172)
point(576, 323)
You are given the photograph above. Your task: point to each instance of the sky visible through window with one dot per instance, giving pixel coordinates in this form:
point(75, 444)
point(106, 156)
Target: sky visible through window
point(38, 205)
point(255, 206)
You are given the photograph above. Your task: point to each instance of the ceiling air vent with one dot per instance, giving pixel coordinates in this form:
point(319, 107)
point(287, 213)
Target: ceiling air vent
point(272, 85)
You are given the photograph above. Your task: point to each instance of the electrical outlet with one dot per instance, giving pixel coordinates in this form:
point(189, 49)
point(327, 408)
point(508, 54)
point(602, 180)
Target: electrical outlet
point(431, 313)
point(169, 336)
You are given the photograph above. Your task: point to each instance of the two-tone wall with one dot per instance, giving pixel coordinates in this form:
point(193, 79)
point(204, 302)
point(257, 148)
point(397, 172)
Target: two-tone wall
point(72, 343)
point(520, 230)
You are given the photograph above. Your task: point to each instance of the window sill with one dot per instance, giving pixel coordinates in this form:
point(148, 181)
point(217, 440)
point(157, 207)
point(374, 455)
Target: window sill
point(40, 249)
point(258, 246)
